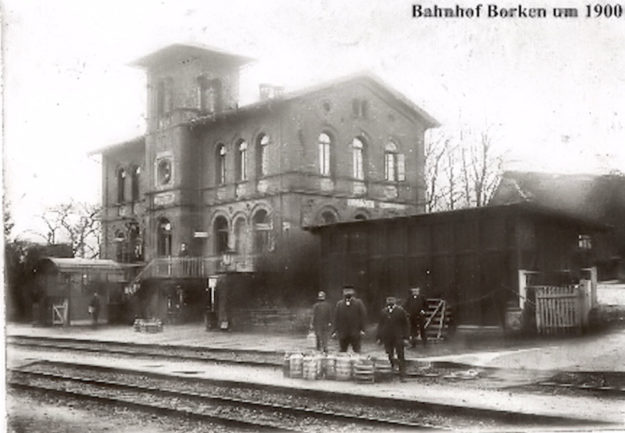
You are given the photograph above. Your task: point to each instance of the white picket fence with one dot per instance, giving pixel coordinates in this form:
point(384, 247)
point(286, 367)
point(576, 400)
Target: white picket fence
point(562, 309)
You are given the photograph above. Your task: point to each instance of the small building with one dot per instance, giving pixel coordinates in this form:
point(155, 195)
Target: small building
point(66, 286)
point(479, 260)
point(595, 197)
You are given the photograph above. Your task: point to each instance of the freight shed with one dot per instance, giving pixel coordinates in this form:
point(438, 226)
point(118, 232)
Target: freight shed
point(66, 286)
point(479, 260)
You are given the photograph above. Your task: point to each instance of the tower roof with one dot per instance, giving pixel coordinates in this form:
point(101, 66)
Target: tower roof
point(184, 53)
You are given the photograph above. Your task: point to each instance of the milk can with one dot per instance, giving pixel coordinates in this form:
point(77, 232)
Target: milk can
point(311, 340)
point(286, 365)
point(343, 367)
point(330, 366)
point(309, 367)
point(295, 365)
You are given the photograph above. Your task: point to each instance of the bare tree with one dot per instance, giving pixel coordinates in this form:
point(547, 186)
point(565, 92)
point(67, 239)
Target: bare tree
point(77, 223)
point(434, 152)
point(462, 170)
point(481, 170)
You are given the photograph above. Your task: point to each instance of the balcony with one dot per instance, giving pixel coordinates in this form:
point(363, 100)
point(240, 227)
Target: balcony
point(194, 267)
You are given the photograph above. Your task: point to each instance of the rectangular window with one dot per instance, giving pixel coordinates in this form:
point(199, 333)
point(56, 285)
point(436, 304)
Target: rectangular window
point(357, 160)
point(401, 167)
point(584, 242)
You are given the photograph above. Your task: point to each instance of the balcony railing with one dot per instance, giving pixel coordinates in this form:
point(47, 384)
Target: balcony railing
point(193, 267)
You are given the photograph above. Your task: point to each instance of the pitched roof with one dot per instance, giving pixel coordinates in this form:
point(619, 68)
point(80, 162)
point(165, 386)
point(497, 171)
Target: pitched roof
point(366, 77)
point(585, 195)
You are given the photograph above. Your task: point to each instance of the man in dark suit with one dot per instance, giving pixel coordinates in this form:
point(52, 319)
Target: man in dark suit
point(393, 333)
point(415, 306)
point(349, 320)
point(321, 321)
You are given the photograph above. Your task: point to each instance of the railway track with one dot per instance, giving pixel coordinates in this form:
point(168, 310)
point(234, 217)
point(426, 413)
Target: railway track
point(255, 358)
point(236, 407)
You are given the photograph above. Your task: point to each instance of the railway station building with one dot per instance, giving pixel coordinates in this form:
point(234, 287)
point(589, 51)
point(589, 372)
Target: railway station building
point(215, 189)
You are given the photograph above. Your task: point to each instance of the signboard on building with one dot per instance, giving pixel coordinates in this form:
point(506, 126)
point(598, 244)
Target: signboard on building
point(164, 199)
point(361, 202)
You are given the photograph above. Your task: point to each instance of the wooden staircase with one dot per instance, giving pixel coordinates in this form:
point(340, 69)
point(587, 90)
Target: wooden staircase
point(437, 319)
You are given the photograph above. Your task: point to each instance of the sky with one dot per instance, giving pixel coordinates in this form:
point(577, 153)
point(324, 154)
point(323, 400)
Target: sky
point(551, 92)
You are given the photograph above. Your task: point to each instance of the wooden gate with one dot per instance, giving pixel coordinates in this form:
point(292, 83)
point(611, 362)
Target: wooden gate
point(559, 309)
point(438, 317)
point(60, 312)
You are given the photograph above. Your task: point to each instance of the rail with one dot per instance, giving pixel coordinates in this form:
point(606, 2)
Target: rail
point(192, 267)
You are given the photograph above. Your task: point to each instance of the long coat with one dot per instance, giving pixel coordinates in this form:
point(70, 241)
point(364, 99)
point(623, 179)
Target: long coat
point(349, 319)
point(414, 305)
point(393, 324)
point(322, 316)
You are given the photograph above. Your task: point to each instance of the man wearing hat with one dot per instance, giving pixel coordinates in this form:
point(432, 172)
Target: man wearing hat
point(349, 320)
point(415, 306)
point(321, 322)
point(392, 332)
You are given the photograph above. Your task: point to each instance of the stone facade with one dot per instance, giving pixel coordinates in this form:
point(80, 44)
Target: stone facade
point(254, 178)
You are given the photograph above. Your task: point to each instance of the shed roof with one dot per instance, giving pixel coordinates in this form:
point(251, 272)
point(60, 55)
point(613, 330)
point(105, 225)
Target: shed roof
point(517, 208)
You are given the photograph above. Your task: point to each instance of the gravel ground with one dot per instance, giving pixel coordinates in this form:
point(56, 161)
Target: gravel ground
point(447, 419)
point(71, 415)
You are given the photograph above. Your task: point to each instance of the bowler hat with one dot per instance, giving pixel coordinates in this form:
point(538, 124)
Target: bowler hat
point(348, 290)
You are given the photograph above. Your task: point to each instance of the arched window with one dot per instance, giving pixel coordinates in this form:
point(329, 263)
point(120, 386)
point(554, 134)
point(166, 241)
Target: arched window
point(390, 162)
point(262, 231)
point(325, 143)
point(242, 160)
point(134, 183)
point(220, 234)
point(358, 152)
point(240, 236)
point(163, 242)
point(220, 167)
point(262, 167)
point(121, 185)
point(328, 217)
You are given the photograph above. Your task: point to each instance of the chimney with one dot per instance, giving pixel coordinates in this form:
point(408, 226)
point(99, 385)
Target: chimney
point(268, 91)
